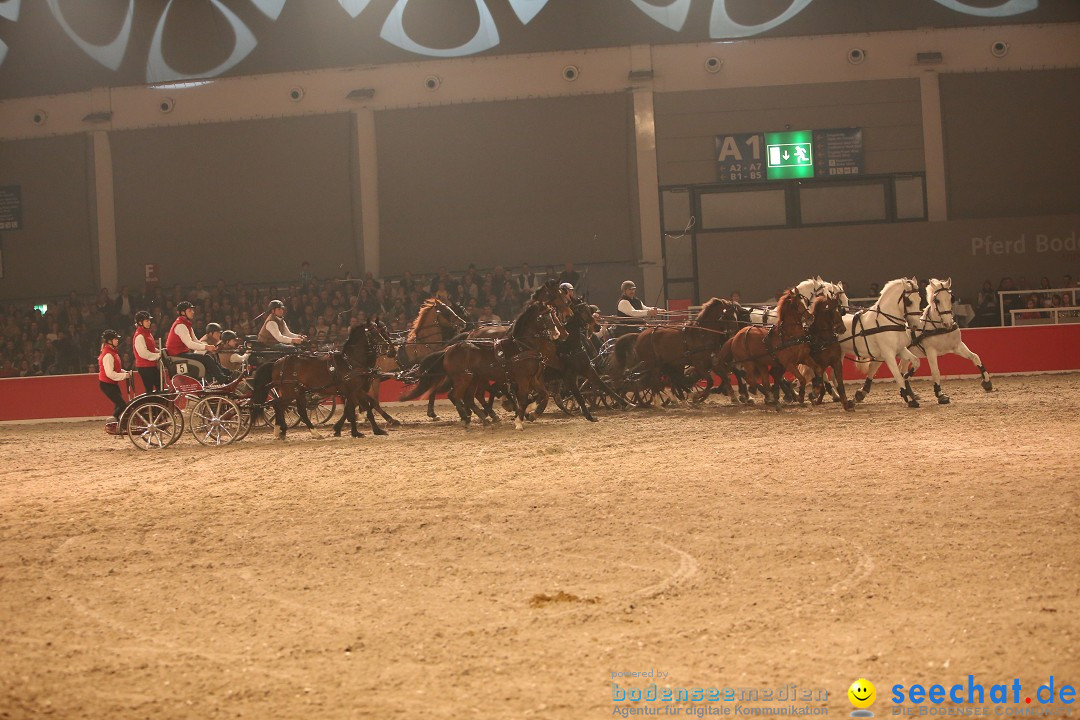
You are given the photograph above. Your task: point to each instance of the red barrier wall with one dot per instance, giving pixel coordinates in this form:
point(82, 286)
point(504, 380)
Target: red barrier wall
point(1027, 349)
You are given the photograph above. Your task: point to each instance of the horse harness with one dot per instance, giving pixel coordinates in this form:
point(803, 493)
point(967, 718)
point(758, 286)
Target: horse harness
point(899, 325)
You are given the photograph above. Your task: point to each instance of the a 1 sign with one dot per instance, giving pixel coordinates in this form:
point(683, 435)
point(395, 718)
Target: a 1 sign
point(789, 155)
point(738, 158)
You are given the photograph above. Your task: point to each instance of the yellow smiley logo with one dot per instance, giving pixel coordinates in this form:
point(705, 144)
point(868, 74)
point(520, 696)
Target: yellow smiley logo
point(862, 693)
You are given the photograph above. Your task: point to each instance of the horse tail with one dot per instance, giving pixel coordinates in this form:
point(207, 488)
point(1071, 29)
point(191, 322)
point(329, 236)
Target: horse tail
point(624, 346)
point(260, 386)
point(430, 373)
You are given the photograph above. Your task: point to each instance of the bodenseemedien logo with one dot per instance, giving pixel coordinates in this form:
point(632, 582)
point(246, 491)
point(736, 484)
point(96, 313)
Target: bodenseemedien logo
point(862, 695)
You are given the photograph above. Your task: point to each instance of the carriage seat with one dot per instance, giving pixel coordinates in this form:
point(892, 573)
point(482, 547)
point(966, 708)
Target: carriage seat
point(184, 366)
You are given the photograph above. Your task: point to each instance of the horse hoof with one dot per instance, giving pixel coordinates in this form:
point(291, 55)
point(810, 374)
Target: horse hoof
point(435, 418)
point(337, 433)
point(590, 418)
point(859, 396)
point(987, 385)
point(943, 399)
point(393, 423)
point(849, 406)
point(913, 403)
point(316, 435)
point(379, 431)
point(357, 434)
point(518, 425)
point(531, 417)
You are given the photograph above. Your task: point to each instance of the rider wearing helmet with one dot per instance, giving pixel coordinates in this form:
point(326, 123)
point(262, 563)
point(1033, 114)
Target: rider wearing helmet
point(111, 373)
point(568, 289)
point(274, 330)
point(227, 353)
point(181, 342)
point(631, 307)
point(212, 336)
point(146, 352)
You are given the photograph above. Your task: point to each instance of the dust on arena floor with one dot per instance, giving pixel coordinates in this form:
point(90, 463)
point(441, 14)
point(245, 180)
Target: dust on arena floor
point(449, 573)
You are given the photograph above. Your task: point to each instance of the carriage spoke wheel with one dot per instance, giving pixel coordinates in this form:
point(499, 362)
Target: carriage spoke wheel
point(245, 418)
point(153, 426)
point(645, 397)
point(320, 408)
point(292, 418)
point(215, 420)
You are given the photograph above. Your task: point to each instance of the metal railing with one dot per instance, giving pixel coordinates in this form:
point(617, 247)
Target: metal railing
point(1043, 291)
point(1057, 312)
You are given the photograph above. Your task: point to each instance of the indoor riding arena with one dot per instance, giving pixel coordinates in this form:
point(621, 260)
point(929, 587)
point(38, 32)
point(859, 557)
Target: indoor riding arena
point(660, 358)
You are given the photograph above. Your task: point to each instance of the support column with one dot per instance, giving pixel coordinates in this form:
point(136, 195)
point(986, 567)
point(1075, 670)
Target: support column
point(933, 147)
point(368, 164)
point(108, 270)
point(652, 258)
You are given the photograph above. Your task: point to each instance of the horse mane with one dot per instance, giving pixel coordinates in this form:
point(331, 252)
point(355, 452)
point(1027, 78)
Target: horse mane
point(786, 299)
point(890, 286)
point(513, 329)
point(706, 309)
point(424, 309)
point(356, 332)
point(547, 287)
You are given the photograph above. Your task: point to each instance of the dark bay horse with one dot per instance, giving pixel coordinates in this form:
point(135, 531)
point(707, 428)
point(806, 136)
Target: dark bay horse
point(684, 354)
point(430, 375)
point(574, 361)
point(825, 350)
point(764, 352)
point(515, 362)
point(347, 372)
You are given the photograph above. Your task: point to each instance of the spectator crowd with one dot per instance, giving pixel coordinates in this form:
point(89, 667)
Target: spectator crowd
point(66, 338)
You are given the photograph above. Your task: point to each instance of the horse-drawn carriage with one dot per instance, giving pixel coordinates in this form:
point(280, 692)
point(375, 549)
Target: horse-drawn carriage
point(216, 415)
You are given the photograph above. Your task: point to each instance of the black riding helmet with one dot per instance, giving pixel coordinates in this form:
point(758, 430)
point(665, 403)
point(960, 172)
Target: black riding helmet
point(212, 327)
point(140, 316)
point(228, 335)
point(109, 335)
point(182, 306)
point(275, 304)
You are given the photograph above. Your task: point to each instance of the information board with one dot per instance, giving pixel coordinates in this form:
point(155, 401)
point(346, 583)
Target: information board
point(738, 157)
point(10, 207)
point(838, 152)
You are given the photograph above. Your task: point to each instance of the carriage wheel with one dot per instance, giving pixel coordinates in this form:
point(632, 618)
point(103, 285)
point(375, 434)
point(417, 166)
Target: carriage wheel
point(565, 401)
point(215, 420)
point(245, 418)
point(645, 397)
point(153, 426)
point(320, 408)
point(292, 418)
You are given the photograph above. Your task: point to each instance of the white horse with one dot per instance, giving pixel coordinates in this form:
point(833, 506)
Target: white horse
point(880, 333)
point(809, 289)
point(936, 333)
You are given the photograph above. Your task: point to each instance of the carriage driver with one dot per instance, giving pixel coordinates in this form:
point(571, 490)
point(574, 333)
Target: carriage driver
point(146, 352)
point(111, 373)
point(181, 342)
point(631, 307)
point(275, 331)
point(227, 353)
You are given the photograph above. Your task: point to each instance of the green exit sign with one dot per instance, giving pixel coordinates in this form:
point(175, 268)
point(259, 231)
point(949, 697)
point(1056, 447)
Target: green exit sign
point(789, 155)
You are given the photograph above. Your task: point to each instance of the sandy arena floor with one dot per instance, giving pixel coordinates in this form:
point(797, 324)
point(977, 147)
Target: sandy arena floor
point(450, 573)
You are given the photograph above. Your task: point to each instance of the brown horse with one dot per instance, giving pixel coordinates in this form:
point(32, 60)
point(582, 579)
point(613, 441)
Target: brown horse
point(430, 376)
point(434, 324)
point(763, 352)
point(684, 354)
point(347, 372)
point(516, 362)
point(825, 350)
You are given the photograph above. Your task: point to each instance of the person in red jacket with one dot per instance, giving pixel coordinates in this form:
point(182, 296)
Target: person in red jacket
point(110, 373)
point(146, 353)
point(181, 342)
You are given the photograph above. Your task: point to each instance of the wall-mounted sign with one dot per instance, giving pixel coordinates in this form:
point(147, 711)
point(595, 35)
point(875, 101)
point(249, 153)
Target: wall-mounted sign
point(789, 155)
point(11, 207)
point(838, 152)
point(738, 157)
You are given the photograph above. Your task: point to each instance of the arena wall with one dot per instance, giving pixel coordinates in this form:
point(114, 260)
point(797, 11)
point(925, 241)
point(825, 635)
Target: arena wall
point(1011, 350)
point(542, 181)
point(56, 241)
point(248, 200)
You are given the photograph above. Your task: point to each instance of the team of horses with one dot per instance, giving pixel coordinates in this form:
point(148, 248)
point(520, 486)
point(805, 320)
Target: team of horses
point(548, 352)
